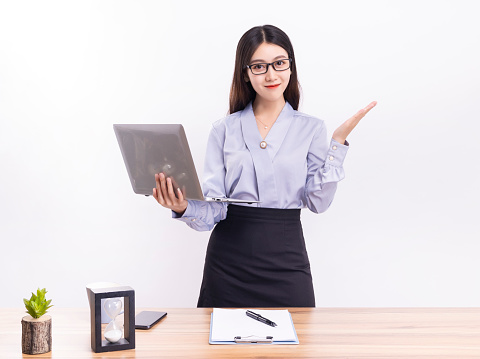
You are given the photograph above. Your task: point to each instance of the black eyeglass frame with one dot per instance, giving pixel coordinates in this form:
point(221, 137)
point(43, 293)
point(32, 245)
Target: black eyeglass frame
point(268, 64)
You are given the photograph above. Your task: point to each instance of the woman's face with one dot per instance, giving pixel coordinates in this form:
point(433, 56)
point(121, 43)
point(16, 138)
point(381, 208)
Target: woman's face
point(271, 85)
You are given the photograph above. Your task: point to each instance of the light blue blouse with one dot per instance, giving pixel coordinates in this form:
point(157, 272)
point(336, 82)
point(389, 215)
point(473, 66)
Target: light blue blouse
point(297, 169)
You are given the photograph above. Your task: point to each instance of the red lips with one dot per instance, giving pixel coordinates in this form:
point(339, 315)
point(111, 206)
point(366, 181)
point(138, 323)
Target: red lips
point(273, 86)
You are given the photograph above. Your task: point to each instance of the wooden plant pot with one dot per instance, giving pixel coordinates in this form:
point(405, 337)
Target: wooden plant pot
point(36, 334)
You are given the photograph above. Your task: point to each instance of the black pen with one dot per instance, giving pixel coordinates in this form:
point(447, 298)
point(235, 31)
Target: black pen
point(260, 318)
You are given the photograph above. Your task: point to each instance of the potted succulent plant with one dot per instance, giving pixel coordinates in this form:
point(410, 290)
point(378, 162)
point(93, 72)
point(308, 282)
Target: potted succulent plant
point(37, 327)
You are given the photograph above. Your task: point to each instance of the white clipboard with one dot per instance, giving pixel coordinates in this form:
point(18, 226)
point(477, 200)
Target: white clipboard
point(233, 326)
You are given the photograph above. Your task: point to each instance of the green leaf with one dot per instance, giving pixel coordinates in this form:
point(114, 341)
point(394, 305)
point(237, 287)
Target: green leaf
point(31, 312)
point(41, 294)
point(37, 305)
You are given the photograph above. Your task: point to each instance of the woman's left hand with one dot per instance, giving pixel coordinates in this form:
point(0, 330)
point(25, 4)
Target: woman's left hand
point(341, 133)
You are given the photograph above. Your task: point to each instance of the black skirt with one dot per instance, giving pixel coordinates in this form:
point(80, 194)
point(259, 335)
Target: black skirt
point(256, 257)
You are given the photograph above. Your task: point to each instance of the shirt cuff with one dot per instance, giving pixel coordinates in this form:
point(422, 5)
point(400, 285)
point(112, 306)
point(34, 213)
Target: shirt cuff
point(336, 153)
point(188, 215)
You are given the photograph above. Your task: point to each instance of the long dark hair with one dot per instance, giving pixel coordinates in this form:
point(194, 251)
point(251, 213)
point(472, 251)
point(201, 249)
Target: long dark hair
point(242, 92)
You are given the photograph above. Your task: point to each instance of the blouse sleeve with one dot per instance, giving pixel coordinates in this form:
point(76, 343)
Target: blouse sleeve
point(325, 170)
point(202, 215)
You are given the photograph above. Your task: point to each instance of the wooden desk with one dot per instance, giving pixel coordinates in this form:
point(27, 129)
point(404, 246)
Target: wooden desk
point(323, 333)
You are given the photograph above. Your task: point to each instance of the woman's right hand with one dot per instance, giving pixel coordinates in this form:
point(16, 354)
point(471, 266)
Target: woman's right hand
point(165, 194)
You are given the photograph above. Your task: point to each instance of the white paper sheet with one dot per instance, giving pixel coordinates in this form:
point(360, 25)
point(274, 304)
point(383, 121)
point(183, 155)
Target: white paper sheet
point(229, 323)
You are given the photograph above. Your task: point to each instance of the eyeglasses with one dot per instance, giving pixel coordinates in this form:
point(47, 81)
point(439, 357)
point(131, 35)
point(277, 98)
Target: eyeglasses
point(262, 68)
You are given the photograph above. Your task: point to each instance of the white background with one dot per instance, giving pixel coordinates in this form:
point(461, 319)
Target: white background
point(403, 229)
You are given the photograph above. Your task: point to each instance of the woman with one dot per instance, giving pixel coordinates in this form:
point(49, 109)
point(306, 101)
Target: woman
point(266, 151)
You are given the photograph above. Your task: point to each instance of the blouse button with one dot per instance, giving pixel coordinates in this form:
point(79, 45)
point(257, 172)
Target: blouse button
point(193, 219)
point(334, 147)
point(331, 158)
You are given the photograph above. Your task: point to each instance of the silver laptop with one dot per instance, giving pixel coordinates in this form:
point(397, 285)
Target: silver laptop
point(155, 148)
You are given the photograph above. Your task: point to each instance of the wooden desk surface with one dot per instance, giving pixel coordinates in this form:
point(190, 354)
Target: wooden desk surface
point(323, 333)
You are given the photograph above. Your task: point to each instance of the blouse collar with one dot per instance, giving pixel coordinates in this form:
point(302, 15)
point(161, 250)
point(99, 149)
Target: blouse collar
point(275, 136)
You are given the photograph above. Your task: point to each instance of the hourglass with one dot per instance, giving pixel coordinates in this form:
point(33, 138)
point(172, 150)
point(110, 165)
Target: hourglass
point(113, 337)
point(112, 307)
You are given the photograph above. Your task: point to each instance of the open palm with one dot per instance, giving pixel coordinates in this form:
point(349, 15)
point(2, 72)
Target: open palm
point(341, 133)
